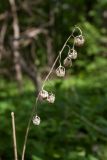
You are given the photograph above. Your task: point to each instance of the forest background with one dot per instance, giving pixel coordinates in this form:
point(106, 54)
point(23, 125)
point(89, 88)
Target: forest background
point(32, 33)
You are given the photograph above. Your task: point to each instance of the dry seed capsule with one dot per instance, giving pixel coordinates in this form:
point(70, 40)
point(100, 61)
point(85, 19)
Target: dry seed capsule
point(43, 94)
point(67, 62)
point(36, 120)
point(51, 98)
point(79, 40)
point(60, 71)
point(72, 54)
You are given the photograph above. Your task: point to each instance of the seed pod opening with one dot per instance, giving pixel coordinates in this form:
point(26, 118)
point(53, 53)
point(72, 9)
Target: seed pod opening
point(36, 120)
point(67, 62)
point(51, 98)
point(79, 40)
point(72, 54)
point(43, 94)
point(60, 71)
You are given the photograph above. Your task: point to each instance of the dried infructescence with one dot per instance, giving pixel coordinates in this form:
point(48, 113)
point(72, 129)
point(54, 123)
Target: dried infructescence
point(60, 71)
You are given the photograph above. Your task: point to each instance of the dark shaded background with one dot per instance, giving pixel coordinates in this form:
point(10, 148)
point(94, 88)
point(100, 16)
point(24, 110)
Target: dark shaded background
point(31, 34)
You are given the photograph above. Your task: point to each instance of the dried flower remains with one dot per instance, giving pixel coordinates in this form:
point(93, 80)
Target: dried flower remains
point(79, 40)
point(72, 54)
point(60, 71)
point(67, 62)
point(36, 120)
point(43, 94)
point(51, 98)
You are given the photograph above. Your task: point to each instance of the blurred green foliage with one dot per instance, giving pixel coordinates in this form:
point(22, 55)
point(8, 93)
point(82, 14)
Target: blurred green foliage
point(75, 127)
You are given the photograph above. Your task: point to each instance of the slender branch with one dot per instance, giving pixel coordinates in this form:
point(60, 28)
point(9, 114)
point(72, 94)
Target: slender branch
point(65, 43)
point(26, 134)
point(50, 71)
point(38, 80)
point(56, 61)
point(14, 136)
point(90, 124)
point(76, 27)
point(28, 126)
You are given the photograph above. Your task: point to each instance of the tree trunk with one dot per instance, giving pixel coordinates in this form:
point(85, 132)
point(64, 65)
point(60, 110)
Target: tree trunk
point(50, 52)
point(16, 52)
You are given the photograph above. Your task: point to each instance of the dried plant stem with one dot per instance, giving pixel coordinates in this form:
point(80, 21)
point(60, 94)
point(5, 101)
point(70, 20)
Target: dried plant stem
point(65, 43)
point(35, 107)
point(50, 71)
point(14, 136)
point(68, 47)
point(26, 136)
point(55, 61)
point(76, 27)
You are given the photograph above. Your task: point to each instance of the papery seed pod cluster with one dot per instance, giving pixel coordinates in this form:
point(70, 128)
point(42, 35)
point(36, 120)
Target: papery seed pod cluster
point(72, 53)
point(45, 95)
point(60, 70)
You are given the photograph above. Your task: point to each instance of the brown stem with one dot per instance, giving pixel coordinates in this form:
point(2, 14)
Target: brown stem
point(28, 127)
point(14, 136)
point(26, 135)
point(56, 61)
